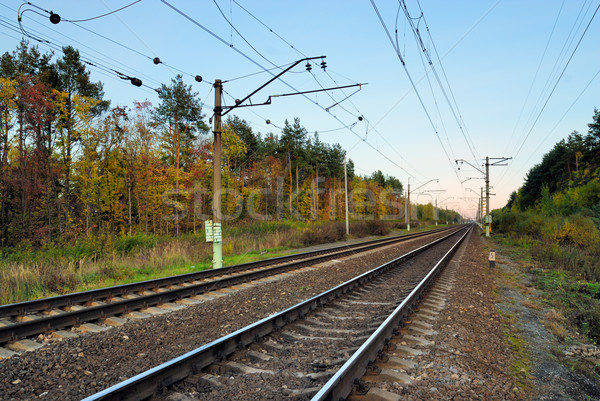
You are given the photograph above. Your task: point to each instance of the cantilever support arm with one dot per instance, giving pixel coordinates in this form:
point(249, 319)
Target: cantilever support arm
point(238, 103)
point(269, 100)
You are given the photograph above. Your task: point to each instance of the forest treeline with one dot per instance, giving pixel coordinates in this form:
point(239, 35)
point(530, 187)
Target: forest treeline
point(72, 166)
point(560, 198)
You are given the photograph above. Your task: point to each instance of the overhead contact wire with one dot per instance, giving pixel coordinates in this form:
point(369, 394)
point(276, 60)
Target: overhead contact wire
point(424, 50)
point(557, 81)
point(414, 87)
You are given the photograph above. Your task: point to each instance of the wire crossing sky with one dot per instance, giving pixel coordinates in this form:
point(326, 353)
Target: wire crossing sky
point(520, 75)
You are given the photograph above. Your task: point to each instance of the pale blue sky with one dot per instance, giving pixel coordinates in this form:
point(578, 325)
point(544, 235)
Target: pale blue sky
point(490, 53)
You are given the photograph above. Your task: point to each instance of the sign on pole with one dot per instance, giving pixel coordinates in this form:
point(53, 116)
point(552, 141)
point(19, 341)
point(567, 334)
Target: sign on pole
point(208, 230)
point(217, 233)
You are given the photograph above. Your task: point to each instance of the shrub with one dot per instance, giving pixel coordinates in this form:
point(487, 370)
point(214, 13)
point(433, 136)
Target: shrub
point(591, 289)
point(364, 228)
point(529, 223)
point(587, 318)
point(575, 230)
point(377, 227)
point(503, 221)
point(129, 244)
point(324, 233)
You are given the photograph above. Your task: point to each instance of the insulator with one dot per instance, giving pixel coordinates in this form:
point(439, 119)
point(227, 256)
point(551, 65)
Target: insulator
point(156, 60)
point(323, 64)
point(360, 118)
point(198, 78)
point(136, 81)
point(54, 18)
point(238, 101)
point(308, 66)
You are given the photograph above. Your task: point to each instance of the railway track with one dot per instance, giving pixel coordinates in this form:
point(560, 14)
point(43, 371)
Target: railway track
point(28, 319)
point(318, 348)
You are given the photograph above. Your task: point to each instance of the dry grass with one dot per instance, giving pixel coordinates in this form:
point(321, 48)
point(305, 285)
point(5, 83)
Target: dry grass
point(22, 281)
point(555, 322)
point(528, 303)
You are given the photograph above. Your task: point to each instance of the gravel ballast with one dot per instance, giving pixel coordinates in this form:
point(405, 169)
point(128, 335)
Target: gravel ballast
point(77, 367)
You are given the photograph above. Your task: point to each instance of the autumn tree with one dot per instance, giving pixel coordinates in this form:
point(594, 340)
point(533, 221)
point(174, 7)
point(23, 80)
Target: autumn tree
point(293, 144)
point(73, 84)
point(112, 169)
point(251, 142)
point(179, 118)
point(8, 107)
point(146, 164)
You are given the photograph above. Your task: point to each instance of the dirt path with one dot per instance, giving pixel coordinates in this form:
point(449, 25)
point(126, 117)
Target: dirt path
point(543, 354)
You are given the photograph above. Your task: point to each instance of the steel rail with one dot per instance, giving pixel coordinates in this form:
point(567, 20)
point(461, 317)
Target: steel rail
point(78, 298)
point(147, 383)
point(340, 385)
point(62, 320)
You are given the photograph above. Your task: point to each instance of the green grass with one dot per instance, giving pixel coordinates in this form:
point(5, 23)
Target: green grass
point(577, 299)
point(564, 278)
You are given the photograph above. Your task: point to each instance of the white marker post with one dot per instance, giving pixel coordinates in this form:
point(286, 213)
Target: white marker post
point(492, 258)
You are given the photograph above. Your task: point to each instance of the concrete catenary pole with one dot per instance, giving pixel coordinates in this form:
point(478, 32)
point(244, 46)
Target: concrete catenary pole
point(346, 191)
point(481, 201)
point(487, 196)
point(216, 206)
point(408, 206)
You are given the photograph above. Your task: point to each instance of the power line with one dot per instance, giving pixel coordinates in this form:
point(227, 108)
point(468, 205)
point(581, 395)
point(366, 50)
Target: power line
point(425, 51)
point(560, 58)
point(240, 35)
point(437, 108)
point(346, 97)
point(55, 18)
point(161, 62)
point(414, 86)
point(93, 63)
point(262, 72)
point(568, 40)
point(211, 33)
point(155, 60)
point(460, 119)
point(270, 30)
point(557, 82)
point(535, 75)
point(359, 113)
point(440, 58)
point(41, 39)
point(289, 44)
point(559, 121)
point(2, 23)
